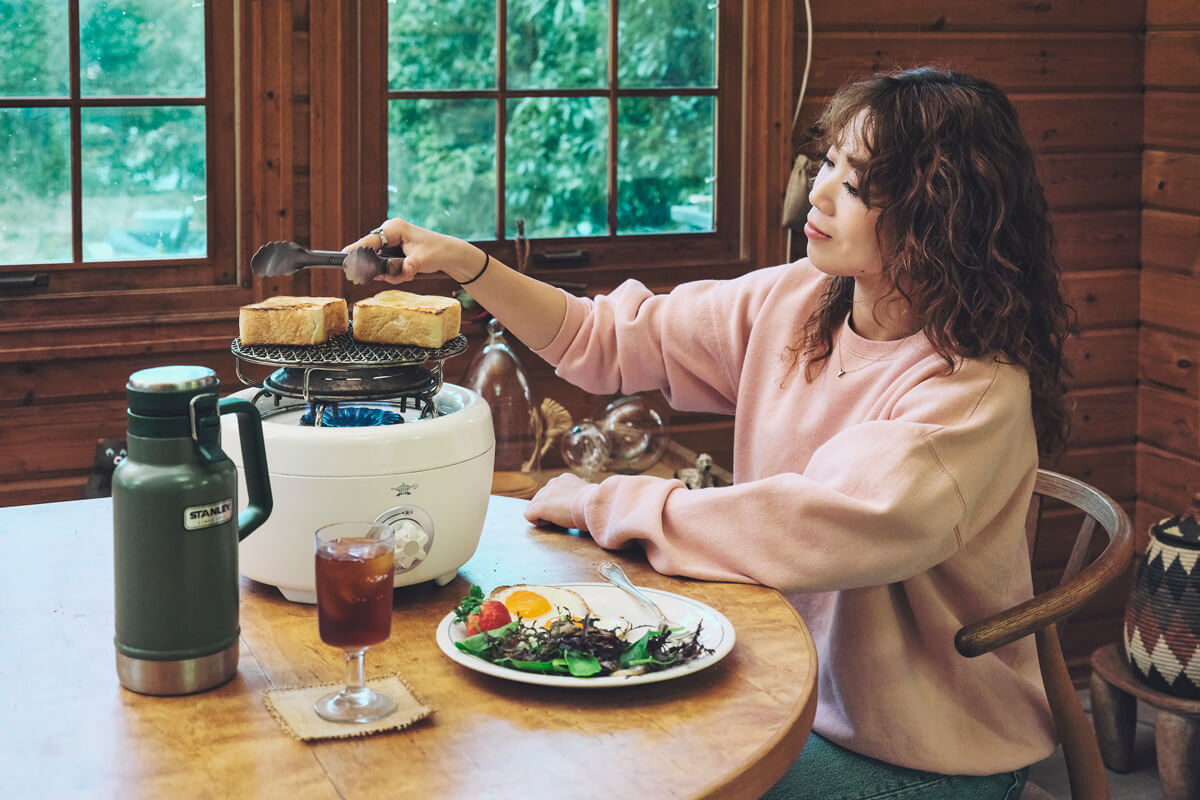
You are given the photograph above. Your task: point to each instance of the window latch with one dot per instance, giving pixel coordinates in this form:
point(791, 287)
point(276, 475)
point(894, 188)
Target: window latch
point(561, 258)
point(35, 280)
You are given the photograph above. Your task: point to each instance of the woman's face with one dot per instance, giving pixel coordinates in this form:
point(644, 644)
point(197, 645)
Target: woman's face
point(840, 228)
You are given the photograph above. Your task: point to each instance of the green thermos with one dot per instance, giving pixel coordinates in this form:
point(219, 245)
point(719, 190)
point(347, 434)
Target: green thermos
point(176, 531)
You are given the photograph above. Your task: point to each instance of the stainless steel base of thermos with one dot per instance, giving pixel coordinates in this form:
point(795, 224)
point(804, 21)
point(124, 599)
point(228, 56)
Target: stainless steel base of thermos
point(177, 677)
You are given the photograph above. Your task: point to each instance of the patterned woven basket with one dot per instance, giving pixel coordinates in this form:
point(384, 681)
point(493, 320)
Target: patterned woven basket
point(1162, 619)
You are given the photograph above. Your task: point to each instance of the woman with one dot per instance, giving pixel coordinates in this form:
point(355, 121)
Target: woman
point(892, 392)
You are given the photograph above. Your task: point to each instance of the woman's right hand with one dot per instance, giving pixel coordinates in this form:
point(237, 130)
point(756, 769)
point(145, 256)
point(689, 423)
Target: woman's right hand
point(424, 251)
point(531, 310)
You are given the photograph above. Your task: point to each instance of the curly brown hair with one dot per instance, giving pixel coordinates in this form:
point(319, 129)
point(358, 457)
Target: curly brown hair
point(963, 228)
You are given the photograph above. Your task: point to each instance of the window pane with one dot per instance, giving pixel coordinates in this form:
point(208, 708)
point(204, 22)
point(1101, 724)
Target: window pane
point(33, 39)
point(665, 174)
point(555, 176)
point(667, 43)
point(442, 44)
point(35, 185)
point(442, 165)
point(562, 45)
point(143, 183)
point(141, 48)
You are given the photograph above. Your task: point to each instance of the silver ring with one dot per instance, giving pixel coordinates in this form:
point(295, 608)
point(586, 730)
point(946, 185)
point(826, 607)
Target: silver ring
point(383, 240)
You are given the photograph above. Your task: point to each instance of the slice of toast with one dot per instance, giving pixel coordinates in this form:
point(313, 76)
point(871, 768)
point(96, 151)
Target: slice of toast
point(284, 319)
point(396, 317)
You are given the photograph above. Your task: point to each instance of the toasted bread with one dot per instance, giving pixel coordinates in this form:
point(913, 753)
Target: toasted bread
point(284, 319)
point(396, 317)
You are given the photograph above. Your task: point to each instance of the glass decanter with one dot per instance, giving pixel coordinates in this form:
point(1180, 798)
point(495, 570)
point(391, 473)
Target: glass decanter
point(497, 375)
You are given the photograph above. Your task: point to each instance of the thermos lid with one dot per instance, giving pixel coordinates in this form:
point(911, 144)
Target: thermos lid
point(172, 379)
point(167, 391)
point(1183, 528)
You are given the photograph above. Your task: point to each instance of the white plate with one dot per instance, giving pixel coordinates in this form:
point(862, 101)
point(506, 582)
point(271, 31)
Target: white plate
point(606, 600)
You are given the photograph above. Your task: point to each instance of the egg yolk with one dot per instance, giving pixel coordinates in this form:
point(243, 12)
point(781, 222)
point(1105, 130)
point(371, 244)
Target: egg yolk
point(524, 603)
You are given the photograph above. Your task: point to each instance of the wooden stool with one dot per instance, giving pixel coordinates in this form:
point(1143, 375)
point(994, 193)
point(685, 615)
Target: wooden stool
point(1115, 692)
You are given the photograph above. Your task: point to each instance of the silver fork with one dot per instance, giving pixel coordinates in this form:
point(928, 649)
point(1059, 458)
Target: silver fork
point(613, 573)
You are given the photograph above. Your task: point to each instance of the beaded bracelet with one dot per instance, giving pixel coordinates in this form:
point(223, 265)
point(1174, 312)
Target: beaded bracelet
point(487, 260)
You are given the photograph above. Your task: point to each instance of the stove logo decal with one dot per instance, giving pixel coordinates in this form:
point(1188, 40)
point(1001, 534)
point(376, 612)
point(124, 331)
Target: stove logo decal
point(404, 489)
point(200, 517)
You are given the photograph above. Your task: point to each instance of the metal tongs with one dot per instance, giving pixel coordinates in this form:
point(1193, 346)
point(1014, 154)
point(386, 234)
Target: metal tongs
point(361, 265)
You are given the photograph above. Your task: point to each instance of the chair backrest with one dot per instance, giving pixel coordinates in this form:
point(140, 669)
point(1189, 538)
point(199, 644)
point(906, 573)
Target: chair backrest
point(1041, 615)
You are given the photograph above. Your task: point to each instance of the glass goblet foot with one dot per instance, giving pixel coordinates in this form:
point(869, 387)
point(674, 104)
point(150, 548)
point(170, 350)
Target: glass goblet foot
point(355, 703)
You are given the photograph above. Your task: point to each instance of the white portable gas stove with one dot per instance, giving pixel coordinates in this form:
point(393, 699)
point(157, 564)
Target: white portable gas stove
point(357, 431)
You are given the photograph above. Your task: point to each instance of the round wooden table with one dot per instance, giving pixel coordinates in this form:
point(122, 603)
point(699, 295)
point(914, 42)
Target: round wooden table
point(69, 729)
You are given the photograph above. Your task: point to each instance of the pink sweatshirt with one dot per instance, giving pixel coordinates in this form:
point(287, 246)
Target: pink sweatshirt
point(888, 504)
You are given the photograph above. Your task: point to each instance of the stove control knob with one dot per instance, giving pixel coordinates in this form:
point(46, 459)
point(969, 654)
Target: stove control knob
point(412, 543)
point(414, 535)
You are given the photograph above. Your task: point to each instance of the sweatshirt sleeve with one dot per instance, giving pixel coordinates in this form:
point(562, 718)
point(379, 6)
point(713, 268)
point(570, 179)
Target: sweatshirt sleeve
point(688, 344)
point(877, 503)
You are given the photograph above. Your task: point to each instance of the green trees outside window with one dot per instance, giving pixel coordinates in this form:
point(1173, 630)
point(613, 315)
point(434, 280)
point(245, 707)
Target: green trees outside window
point(461, 117)
point(133, 115)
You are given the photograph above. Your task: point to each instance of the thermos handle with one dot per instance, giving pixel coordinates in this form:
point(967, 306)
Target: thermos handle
point(254, 458)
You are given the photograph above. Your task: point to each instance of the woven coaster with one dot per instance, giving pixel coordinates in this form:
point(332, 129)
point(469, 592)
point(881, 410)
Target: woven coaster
point(292, 708)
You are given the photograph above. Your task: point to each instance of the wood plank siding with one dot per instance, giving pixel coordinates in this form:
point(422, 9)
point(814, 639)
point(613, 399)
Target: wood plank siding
point(1168, 426)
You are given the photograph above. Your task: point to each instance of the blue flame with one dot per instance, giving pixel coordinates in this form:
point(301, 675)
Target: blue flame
point(353, 417)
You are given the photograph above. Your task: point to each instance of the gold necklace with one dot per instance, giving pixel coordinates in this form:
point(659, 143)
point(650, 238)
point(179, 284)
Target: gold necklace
point(842, 363)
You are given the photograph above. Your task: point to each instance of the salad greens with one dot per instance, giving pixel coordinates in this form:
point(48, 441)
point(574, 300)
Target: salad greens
point(469, 604)
point(576, 647)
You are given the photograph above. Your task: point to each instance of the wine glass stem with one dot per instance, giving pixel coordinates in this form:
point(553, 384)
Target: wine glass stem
point(355, 680)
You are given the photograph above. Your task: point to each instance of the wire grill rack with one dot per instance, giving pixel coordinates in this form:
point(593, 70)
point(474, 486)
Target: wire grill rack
point(344, 351)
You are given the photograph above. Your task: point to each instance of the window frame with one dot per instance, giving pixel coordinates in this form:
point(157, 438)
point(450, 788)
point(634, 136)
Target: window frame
point(218, 102)
point(611, 251)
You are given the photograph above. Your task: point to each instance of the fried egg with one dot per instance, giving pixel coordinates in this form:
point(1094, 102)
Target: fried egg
point(540, 604)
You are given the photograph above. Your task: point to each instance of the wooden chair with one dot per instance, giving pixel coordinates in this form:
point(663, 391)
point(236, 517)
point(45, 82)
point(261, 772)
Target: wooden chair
point(1042, 614)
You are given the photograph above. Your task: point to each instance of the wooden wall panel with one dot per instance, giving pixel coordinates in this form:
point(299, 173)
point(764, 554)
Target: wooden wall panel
point(1111, 468)
point(1104, 416)
point(1075, 122)
point(1090, 180)
point(92, 335)
point(1171, 180)
point(1095, 240)
point(1170, 118)
point(1103, 299)
point(1166, 479)
point(1170, 420)
point(1103, 357)
point(1169, 301)
point(1171, 57)
point(1182, 14)
point(1171, 240)
point(769, 92)
point(939, 16)
point(1020, 62)
point(1170, 360)
point(1168, 472)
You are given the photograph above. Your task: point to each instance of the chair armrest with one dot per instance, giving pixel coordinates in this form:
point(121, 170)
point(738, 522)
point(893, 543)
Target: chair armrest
point(1047, 608)
point(1052, 606)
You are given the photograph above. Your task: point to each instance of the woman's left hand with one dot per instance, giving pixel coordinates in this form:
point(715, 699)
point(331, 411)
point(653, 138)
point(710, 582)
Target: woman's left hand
point(553, 501)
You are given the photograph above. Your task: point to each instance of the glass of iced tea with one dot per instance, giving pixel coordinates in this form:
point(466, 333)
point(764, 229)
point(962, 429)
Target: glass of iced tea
point(355, 564)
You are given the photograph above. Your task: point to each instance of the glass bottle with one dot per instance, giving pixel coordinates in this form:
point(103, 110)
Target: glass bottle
point(497, 375)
